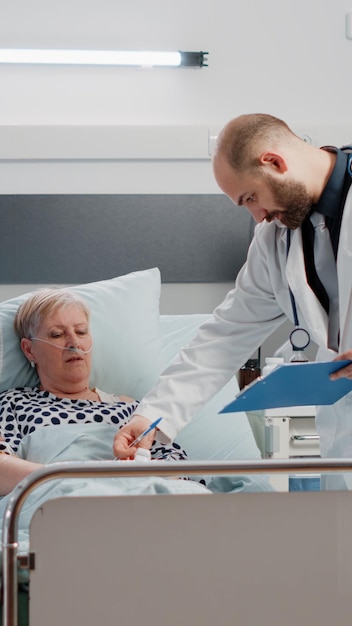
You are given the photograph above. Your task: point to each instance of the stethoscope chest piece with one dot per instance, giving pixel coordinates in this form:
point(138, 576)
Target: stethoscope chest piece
point(299, 338)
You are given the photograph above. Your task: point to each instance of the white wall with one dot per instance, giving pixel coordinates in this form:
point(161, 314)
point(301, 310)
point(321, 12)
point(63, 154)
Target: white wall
point(290, 58)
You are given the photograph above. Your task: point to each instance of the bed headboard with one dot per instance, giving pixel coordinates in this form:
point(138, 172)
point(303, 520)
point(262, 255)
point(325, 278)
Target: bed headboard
point(74, 238)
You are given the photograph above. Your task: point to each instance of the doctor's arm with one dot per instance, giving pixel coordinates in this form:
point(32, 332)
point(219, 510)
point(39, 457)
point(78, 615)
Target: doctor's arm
point(246, 317)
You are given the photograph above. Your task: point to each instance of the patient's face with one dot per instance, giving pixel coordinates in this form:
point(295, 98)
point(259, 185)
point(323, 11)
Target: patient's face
point(60, 369)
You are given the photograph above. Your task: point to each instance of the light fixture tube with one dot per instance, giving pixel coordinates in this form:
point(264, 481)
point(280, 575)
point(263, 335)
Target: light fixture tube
point(140, 58)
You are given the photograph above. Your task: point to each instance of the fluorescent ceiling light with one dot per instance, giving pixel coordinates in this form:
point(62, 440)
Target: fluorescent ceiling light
point(141, 58)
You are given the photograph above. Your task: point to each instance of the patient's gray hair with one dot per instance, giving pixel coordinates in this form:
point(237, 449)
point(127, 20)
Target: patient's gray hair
point(244, 137)
point(42, 303)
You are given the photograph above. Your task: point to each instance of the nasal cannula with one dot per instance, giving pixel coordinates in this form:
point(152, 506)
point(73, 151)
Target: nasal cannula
point(69, 348)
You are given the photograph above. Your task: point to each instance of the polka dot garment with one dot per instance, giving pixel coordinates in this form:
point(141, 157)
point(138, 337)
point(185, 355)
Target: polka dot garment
point(24, 410)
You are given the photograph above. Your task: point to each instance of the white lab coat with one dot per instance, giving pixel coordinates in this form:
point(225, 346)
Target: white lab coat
point(257, 306)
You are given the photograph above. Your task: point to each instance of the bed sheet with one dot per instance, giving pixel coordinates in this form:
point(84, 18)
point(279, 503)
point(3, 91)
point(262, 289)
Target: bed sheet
point(89, 442)
point(81, 442)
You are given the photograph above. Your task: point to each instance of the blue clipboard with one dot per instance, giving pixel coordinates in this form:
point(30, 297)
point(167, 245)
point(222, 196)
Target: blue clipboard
point(293, 384)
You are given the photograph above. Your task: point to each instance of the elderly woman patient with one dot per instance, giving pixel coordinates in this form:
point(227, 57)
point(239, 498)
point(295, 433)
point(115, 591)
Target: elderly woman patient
point(53, 327)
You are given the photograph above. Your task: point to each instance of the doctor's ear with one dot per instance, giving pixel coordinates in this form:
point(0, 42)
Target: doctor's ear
point(275, 161)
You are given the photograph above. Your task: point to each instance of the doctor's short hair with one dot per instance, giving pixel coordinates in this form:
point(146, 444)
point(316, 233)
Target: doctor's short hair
point(244, 137)
point(42, 303)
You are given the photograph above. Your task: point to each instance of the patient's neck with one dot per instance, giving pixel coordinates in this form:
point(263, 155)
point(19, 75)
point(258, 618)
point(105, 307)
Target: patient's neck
point(84, 393)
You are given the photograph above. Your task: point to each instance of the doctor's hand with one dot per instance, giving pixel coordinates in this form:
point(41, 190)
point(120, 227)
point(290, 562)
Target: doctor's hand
point(344, 372)
point(128, 433)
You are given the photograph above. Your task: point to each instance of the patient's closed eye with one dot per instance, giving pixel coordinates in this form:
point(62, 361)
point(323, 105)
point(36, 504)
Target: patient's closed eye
point(58, 334)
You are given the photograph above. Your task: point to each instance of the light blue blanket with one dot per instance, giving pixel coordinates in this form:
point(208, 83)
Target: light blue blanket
point(89, 442)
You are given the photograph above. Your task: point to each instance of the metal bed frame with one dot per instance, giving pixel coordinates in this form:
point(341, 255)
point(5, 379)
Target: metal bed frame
point(108, 469)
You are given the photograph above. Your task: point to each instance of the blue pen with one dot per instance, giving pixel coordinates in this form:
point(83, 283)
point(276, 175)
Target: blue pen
point(145, 432)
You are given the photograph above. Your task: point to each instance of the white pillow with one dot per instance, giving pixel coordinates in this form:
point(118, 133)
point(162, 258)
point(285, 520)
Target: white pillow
point(126, 356)
point(209, 435)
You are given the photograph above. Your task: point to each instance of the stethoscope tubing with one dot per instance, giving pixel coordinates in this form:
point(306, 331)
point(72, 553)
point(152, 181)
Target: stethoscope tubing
point(298, 330)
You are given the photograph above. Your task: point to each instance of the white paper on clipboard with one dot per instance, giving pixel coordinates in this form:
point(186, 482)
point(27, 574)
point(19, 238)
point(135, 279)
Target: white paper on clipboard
point(293, 384)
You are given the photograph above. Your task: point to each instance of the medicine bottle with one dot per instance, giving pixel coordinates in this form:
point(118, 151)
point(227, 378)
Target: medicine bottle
point(248, 372)
point(298, 356)
point(271, 362)
point(142, 455)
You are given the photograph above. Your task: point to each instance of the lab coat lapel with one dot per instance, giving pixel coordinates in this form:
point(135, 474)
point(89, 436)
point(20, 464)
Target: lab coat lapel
point(314, 315)
point(344, 273)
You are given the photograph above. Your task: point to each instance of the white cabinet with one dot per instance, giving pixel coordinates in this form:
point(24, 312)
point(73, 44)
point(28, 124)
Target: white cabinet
point(290, 432)
point(283, 433)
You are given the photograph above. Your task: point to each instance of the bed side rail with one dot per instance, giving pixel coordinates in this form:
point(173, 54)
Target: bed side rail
point(128, 469)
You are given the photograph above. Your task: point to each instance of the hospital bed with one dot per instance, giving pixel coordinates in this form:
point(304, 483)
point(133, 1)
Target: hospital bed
point(164, 550)
point(128, 359)
point(234, 552)
point(244, 558)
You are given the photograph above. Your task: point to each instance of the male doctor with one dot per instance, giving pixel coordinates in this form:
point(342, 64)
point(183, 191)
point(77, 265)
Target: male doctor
point(300, 197)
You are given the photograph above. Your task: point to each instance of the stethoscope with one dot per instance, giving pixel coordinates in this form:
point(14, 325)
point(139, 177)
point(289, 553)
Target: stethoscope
point(300, 337)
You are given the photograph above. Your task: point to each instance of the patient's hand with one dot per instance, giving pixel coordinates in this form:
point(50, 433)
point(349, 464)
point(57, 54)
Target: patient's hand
point(128, 433)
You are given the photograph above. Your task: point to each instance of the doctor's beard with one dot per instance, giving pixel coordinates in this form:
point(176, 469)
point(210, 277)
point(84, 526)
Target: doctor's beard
point(294, 200)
